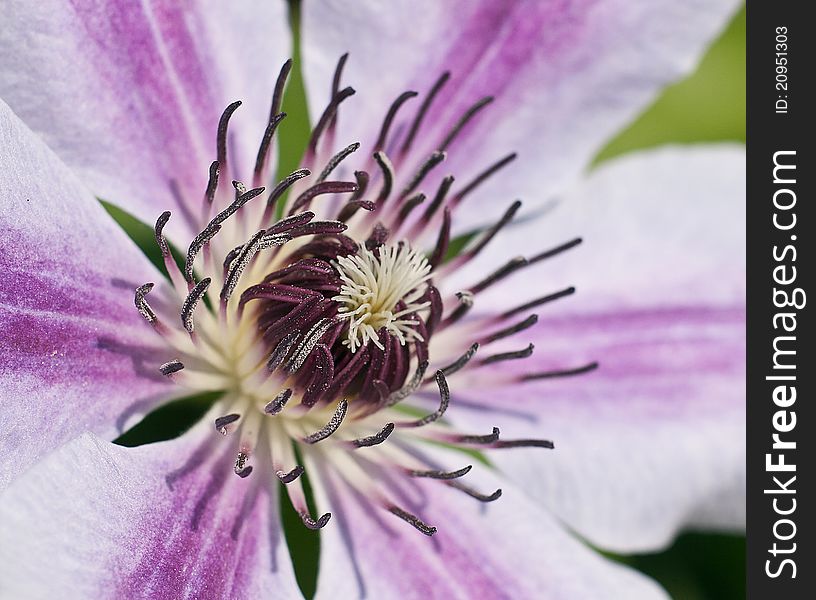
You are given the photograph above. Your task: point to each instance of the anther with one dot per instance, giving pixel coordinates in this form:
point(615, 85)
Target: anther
point(409, 205)
point(223, 124)
point(410, 387)
point(527, 443)
point(310, 340)
point(389, 117)
point(491, 233)
point(331, 426)
point(460, 124)
point(195, 247)
point(562, 373)
point(241, 468)
point(555, 251)
point(263, 150)
point(432, 161)
point(284, 185)
point(525, 353)
point(336, 160)
point(423, 109)
point(476, 439)
point(222, 423)
point(387, 169)
point(157, 231)
point(311, 523)
point(239, 264)
point(276, 405)
point(190, 302)
point(417, 523)
point(141, 303)
point(280, 86)
point(474, 494)
point(324, 187)
point(481, 177)
point(538, 302)
point(512, 329)
point(444, 400)
point(373, 440)
point(513, 265)
point(173, 366)
point(436, 474)
point(327, 118)
point(442, 241)
point(289, 477)
point(461, 361)
point(280, 351)
point(439, 198)
point(212, 182)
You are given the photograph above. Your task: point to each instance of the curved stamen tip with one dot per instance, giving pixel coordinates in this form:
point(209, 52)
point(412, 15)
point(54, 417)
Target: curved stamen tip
point(413, 520)
point(331, 426)
point(277, 404)
point(168, 368)
point(474, 494)
point(478, 439)
point(241, 468)
point(311, 523)
point(530, 443)
point(436, 474)
point(221, 423)
point(373, 440)
point(291, 475)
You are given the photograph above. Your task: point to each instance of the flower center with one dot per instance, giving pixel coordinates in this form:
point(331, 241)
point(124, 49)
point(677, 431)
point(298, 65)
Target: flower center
point(317, 328)
point(382, 291)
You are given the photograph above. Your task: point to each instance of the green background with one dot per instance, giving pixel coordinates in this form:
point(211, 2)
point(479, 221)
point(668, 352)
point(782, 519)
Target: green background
point(707, 106)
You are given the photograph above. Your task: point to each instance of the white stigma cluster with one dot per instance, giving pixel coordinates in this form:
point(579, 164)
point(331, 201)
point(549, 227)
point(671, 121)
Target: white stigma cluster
point(374, 285)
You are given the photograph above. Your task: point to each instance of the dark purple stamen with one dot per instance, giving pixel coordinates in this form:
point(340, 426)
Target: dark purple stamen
point(263, 150)
point(277, 404)
point(423, 109)
point(212, 182)
point(141, 302)
point(336, 160)
point(442, 242)
point(463, 120)
point(190, 302)
point(511, 330)
point(444, 400)
point(476, 439)
point(280, 86)
point(222, 422)
point(482, 177)
point(461, 361)
point(161, 242)
point(529, 443)
point(223, 124)
point(417, 523)
point(538, 302)
point(331, 426)
point(389, 117)
point(436, 158)
point(311, 523)
point(291, 475)
point(562, 373)
point(241, 468)
point(387, 169)
point(324, 187)
point(474, 494)
point(436, 474)
point(173, 366)
point(327, 118)
point(493, 358)
point(373, 440)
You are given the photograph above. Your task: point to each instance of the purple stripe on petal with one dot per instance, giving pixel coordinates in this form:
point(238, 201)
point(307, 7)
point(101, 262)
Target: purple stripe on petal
point(75, 355)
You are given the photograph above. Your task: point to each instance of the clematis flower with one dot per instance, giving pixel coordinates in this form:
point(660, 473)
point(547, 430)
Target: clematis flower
point(349, 344)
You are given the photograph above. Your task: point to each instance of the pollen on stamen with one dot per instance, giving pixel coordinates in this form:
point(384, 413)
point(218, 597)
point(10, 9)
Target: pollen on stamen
point(379, 291)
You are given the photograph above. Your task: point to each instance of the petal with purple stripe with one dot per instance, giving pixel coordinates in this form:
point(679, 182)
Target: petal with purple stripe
point(565, 76)
point(74, 353)
point(157, 521)
point(653, 439)
point(136, 113)
point(509, 548)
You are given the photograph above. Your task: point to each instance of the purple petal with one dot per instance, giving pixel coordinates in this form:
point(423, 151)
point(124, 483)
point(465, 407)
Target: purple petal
point(75, 355)
point(565, 76)
point(136, 113)
point(509, 548)
point(157, 521)
point(653, 440)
